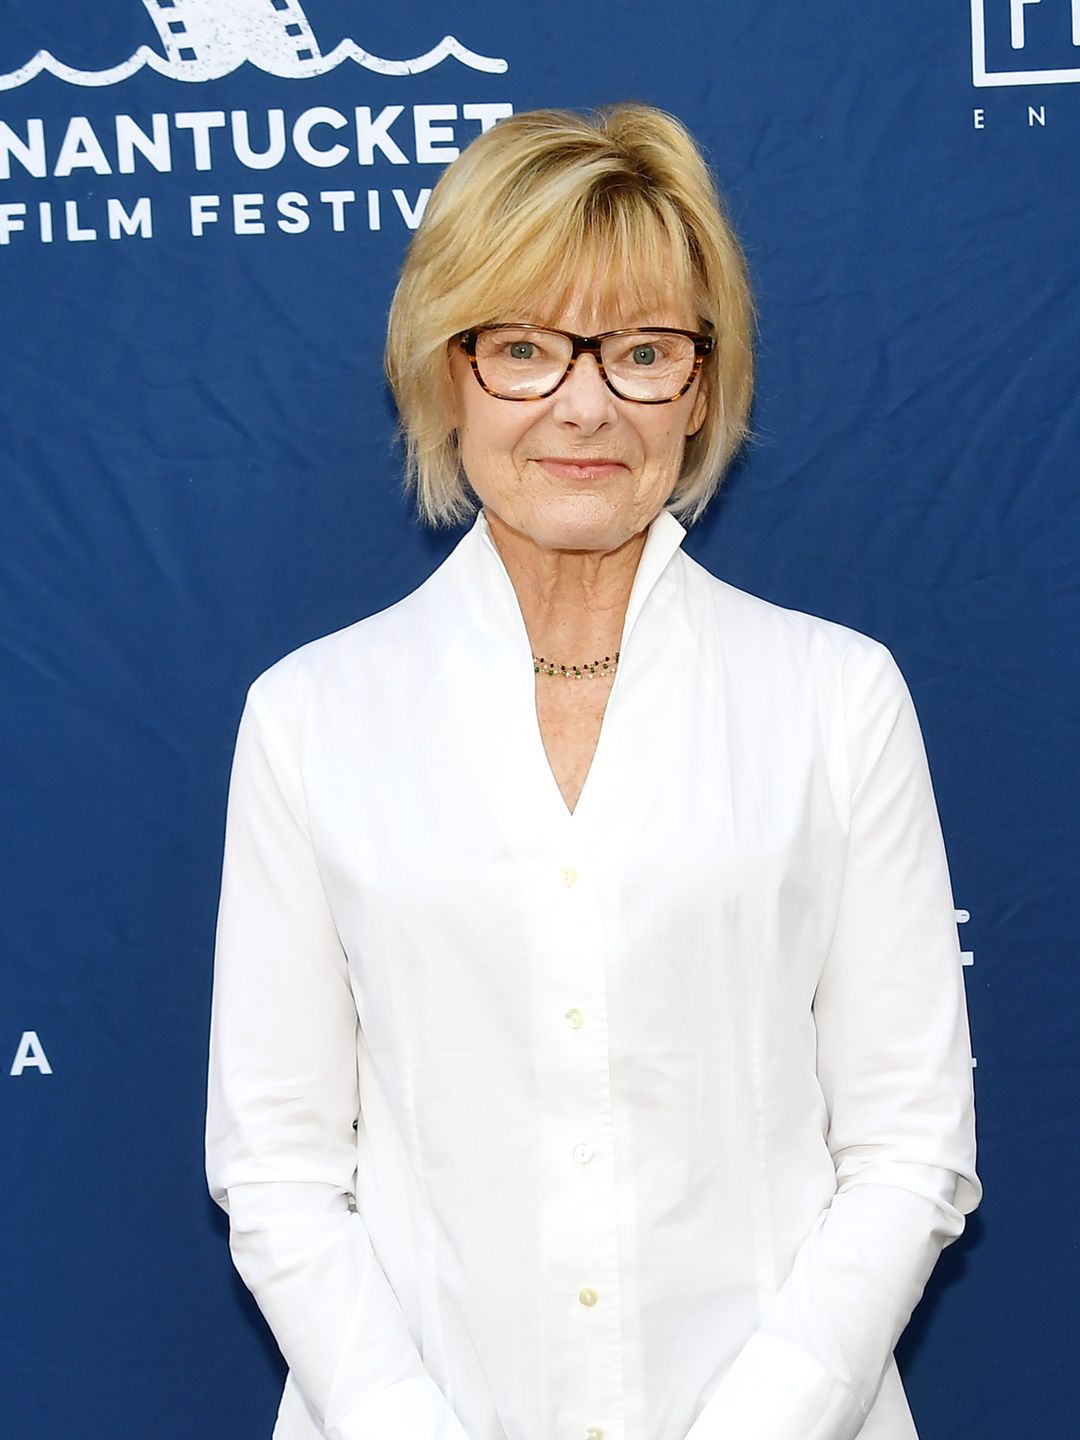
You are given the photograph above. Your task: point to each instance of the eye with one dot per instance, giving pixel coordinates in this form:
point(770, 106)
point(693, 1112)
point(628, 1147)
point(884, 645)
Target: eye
point(522, 350)
point(644, 355)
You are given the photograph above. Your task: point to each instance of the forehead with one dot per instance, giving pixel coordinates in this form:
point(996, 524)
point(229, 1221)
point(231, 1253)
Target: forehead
point(595, 303)
point(598, 284)
point(588, 314)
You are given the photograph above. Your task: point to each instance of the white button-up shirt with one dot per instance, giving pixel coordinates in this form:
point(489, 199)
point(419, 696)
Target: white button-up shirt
point(639, 1122)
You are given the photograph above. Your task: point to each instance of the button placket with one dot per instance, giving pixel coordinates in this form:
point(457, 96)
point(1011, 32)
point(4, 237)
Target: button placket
point(599, 1298)
point(584, 1214)
point(568, 878)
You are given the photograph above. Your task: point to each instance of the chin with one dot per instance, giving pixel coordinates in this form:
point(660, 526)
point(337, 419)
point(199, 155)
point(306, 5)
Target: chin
point(582, 537)
point(574, 527)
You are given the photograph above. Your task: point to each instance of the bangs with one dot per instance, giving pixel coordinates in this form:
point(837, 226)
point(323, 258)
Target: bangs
point(615, 251)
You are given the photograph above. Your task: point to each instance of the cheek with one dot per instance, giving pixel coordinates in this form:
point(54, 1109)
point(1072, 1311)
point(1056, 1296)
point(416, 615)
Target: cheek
point(666, 444)
point(488, 441)
point(480, 425)
point(489, 437)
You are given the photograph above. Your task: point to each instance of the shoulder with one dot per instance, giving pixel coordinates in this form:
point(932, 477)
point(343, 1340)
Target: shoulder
point(800, 672)
point(766, 633)
point(394, 647)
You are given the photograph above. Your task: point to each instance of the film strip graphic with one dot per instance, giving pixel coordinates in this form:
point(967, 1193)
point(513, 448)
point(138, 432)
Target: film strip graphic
point(208, 39)
point(198, 34)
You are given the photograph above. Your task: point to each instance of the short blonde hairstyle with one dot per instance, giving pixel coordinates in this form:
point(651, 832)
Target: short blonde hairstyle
point(545, 202)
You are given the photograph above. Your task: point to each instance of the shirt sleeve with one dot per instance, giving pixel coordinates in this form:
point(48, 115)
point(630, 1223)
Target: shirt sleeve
point(894, 1065)
point(282, 1108)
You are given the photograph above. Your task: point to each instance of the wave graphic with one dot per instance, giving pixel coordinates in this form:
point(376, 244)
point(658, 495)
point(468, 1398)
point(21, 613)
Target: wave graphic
point(289, 68)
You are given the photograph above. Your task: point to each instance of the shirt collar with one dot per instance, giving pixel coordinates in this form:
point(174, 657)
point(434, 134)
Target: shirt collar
point(664, 538)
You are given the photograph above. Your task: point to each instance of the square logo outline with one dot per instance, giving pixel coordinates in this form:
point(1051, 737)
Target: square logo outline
point(981, 77)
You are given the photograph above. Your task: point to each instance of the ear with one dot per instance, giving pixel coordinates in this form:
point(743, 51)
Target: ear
point(457, 368)
point(699, 409)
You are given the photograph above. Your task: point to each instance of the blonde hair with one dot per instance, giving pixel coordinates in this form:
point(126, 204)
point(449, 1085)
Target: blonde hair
point(545, 201)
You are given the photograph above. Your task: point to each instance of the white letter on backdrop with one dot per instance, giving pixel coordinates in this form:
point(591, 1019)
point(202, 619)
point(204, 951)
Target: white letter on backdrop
point(30, 152)
point(30, 1055)
point(1016, 14)
point(131, 138)
point(275, 140)
point(301, 135)
point(203, 212)
point(431, 146)
point(200, 123)
point(372, 135)
point(139, 222)
point(81, 149)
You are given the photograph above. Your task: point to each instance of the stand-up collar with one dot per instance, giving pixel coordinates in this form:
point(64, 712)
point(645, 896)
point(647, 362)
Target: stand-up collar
point(665, 537)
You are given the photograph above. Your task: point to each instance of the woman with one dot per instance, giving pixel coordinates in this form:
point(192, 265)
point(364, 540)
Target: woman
point(589, 1052)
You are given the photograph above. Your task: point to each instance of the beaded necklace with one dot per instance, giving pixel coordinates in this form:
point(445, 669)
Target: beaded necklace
point(587, 671)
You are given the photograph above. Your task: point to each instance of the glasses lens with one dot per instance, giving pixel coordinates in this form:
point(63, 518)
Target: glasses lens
point(648, 365)
point(521, 363)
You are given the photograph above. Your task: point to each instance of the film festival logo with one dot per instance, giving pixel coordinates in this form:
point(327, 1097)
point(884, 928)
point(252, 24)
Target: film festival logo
point(1046, 32)
point(1024, 43)
point(204, 40)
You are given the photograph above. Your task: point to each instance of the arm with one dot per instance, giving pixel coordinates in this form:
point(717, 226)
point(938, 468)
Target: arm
point(280, 1142)
point(894, 1066)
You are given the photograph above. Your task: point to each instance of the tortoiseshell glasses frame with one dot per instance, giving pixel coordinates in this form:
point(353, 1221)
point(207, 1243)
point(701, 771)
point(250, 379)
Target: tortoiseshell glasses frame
point(589, 345)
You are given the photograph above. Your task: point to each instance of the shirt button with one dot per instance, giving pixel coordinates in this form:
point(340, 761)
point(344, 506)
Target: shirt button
point(583, 1154)
point(574, 1018)
point(588, 1296)
point(568, 875)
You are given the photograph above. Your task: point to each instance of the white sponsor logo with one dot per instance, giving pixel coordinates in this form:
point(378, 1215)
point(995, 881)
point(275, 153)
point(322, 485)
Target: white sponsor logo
point(1053, 26)
point(205, 39)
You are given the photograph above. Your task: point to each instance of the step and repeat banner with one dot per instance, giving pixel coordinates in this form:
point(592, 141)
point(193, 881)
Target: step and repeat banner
point(203, 206)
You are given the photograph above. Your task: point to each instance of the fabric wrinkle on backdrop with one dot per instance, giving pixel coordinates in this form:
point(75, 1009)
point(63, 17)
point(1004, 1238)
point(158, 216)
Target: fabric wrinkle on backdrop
point(199, 233)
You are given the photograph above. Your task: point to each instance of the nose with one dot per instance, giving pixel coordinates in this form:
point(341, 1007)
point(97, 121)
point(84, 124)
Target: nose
point(583, 400)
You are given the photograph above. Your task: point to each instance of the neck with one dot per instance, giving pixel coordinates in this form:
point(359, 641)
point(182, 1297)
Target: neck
point(573, 602)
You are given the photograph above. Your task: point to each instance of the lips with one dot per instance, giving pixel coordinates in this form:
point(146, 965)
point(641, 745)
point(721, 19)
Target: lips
point(571, 468)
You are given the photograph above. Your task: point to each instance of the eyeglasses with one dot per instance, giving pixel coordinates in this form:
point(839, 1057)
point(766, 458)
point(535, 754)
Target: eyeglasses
point(653, 365)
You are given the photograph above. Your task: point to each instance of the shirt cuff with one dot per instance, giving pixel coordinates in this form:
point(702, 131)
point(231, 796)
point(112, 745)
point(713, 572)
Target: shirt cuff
point(774, 1391)
point(413, 1409)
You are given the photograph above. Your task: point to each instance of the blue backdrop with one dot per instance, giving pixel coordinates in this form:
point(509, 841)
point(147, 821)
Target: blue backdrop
point(197, 249)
